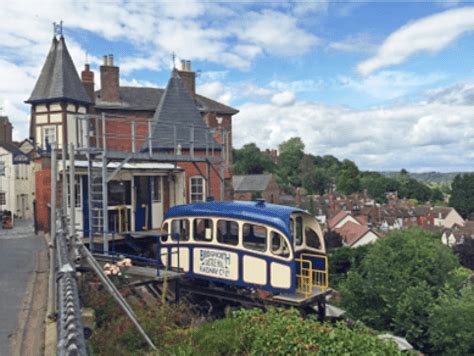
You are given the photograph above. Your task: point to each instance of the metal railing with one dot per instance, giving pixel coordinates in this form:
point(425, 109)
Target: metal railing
point(70, 339)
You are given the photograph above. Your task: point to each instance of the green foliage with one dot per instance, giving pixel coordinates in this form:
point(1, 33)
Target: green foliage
point(348, 180)
point(397, 283)
point(343, 259)
point(250, 160)
point(289, 160)
point(284, 332)
point(465, 252)
point(377, 185)
point(452, 323)
point(462, 196)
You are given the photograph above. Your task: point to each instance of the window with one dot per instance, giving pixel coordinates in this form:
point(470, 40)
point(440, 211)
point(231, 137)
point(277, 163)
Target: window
point(312, 238)
point(180, 230)
point(77, 193)
point(2, 169)
point(119, 192)
point(49, 135)
point(164, 232)
point(228, 232)
point(255, 237)
point(197, 189)
point(279, 246)
point(2, 198)
point(17, 171)
point(156, 189)
point(296, 228)
point(202, 229)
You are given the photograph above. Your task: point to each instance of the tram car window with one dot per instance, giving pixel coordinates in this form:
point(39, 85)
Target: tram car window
point(255, 237)
point(228, 232)
point(180, 230)
point(202, 229)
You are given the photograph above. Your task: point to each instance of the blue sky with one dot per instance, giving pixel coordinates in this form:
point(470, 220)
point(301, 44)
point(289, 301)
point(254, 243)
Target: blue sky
point(386, 84)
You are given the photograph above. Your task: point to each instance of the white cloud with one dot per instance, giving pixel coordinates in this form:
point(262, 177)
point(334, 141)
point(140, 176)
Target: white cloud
point(360, 42)
point(431, 34)
point(275, 32)
point(417, 136)
point(390, 84)
point(283, 99)
point(215, 90)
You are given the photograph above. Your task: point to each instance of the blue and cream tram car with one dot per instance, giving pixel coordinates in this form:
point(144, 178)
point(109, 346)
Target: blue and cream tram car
point(255, 245)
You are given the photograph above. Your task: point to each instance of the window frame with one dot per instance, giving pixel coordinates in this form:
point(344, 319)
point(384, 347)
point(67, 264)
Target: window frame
point(192, 194)
point(3, 198)
point(239, 232)
point(44, 135)
point(213, 228)
point(249, 247)
point(157, 198)
point(188, 235)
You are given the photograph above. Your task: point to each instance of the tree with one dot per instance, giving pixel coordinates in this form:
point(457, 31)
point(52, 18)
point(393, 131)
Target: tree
point(412, 189)
point(452, 323)
point(462, 196)
point(406, 269)
point(289, 160)
point(465, 252)
point(250, 160)
point(348, 180)
point(436, 195)
point(316, 180)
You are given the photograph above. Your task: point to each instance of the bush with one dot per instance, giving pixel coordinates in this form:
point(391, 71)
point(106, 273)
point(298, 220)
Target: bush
point(398, 282)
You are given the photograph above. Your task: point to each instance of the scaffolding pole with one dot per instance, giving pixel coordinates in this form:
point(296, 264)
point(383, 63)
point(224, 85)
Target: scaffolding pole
point(222, 163)
point(105, 198)
point(72, 191)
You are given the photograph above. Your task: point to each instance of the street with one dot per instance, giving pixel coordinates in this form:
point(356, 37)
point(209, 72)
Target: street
point(18, 253)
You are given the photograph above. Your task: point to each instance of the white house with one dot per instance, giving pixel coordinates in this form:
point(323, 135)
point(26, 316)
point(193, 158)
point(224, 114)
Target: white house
point(16, 181)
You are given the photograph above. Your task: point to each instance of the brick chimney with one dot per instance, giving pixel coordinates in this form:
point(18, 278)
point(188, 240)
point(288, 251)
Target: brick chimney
point(5, 130)
point(88, 81)
point(188, 77)
point(109, 80)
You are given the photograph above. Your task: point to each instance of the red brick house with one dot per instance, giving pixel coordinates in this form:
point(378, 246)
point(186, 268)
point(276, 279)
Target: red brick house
point(173, 122)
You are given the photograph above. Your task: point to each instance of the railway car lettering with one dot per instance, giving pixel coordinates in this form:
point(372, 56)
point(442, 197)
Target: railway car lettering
point(216, 263)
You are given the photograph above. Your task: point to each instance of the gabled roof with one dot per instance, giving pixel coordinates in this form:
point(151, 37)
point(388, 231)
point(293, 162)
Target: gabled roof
point(251, 182)
point(352, 232)
point(176, 119)
point(58, 79)
point(337, 218)
point(16, 152)
point(147, 99)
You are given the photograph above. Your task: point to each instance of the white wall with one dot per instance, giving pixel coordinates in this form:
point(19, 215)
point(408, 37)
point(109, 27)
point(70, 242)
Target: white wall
point(369, 238)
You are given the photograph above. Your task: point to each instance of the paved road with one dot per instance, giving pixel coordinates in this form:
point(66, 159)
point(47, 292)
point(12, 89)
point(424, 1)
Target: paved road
point(18, 248)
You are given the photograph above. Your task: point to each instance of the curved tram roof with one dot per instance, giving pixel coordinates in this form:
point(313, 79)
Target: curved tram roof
point(277, 216)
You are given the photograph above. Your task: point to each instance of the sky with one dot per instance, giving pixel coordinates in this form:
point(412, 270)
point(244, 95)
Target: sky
point(389, 85)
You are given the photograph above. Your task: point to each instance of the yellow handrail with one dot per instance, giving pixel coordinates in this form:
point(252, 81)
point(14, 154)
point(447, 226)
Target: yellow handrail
point(145, 227)
point(310, 276)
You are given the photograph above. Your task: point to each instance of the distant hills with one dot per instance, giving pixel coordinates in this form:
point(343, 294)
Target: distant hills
point(428, 177)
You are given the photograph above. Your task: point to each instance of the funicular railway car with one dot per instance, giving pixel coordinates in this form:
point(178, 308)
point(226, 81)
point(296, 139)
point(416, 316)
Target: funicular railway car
point(252, 245)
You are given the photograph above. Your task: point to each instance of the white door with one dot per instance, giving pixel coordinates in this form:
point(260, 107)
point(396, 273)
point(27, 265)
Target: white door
point(156, 202)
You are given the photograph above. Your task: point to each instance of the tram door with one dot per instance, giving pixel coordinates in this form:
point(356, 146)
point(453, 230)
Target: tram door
point(142, 203)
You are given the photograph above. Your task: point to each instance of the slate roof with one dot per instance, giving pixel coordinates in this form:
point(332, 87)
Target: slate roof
point(58, 79)
point(147, 99)
point(14, 150)
point(177, 115)
point(251, 182)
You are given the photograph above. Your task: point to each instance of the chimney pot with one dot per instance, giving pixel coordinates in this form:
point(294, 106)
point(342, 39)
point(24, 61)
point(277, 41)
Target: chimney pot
point(188, 65)
point(111, 60)
point(183, 64)
point(104, 60)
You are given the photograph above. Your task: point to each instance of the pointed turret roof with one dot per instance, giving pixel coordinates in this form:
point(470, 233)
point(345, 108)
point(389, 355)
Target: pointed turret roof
point(58, 79)
point(178, 115)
